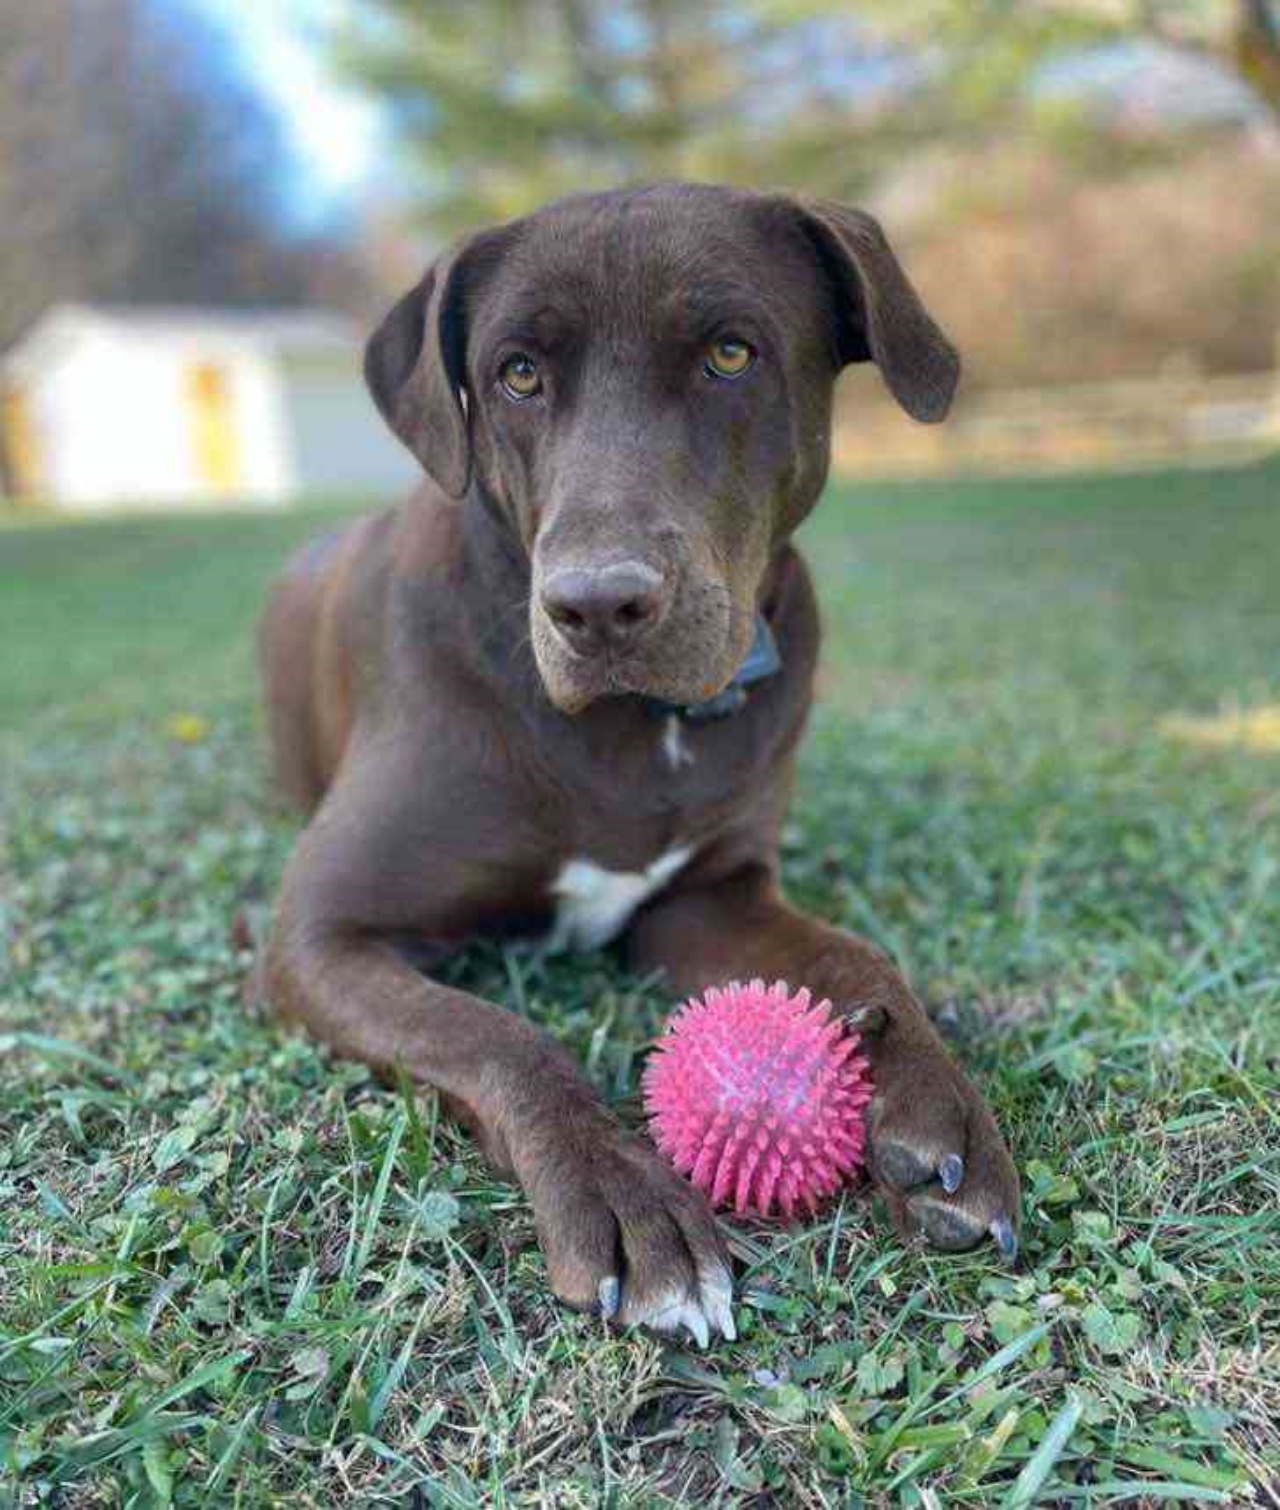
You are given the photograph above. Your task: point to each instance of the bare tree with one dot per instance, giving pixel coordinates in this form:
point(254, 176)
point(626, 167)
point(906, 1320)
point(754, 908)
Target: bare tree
point(136, 164)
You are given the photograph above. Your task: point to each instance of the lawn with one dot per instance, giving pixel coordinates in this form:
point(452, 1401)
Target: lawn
point(233, 1273)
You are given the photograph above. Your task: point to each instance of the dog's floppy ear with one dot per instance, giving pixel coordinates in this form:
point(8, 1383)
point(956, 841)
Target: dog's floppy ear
point(879, 316)
point(415, 365)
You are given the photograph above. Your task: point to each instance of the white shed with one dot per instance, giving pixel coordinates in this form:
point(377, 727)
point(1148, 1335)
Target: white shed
point(108, 406)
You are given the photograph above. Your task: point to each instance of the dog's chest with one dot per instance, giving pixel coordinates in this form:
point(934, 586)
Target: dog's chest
point(594, 905)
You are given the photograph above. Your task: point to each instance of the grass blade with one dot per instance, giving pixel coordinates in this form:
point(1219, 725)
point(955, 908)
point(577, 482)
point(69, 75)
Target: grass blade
point(1039, 1465)
point(1177, 1467)
point(377, 1200)
point(58, 1048)
point(235, 1446)
point(1153, 1491)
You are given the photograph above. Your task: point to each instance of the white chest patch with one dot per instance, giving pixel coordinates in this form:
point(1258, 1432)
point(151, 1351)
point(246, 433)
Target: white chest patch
point(594, 905)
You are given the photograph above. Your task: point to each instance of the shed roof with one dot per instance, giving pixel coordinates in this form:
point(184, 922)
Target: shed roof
point(287, 331)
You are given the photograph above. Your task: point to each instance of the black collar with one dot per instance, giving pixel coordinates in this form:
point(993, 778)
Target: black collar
point(762, 662)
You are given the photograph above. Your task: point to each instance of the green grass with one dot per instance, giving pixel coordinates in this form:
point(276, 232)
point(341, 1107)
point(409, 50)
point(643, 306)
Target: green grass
point(232, 1273)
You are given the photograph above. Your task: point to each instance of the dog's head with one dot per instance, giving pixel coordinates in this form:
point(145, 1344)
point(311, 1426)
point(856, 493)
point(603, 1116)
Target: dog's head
point(641, 383)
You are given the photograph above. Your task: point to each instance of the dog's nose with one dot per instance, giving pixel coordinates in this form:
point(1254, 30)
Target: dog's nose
point(603, 607)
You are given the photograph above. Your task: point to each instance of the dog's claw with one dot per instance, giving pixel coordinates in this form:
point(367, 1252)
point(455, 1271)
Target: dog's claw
point(687, 1314)
point(610, 1296)
point(1006, 1239)
point(716, 1294)
point(951, 1172)
point(867, 1022)
point(702, 1313)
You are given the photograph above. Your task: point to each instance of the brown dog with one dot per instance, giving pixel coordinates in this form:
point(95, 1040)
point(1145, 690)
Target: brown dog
point(541, 694)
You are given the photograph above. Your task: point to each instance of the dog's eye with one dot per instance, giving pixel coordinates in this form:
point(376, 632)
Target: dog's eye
point(729, 358)
point(520, 376)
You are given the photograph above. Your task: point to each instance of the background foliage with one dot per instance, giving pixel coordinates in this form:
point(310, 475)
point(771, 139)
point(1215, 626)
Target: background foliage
point(1085, 188)
point(1105, 175)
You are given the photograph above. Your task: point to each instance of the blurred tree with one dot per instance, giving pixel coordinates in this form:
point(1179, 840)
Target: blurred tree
point(982, 54)
point(1256, 49)
point(505, 103)
point(137, 165)
point(1049, 231)
point(1044, 271)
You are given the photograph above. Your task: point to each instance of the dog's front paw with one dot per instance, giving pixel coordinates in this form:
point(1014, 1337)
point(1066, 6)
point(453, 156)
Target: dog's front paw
point(935, 1151)
point(624, 1234)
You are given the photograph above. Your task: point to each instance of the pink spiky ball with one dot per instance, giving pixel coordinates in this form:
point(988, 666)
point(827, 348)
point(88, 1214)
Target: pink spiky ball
point(759, 1097)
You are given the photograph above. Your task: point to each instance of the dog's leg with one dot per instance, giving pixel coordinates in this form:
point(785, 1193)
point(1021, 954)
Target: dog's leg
point(621, 1232)
point(934, 1147)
